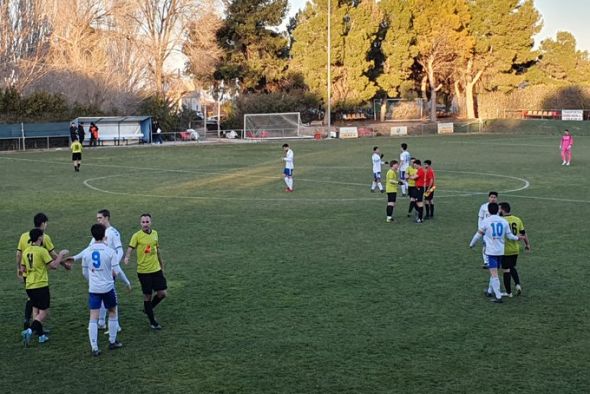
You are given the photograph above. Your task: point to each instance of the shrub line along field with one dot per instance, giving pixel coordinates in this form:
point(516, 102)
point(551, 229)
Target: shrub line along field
point(310, 291)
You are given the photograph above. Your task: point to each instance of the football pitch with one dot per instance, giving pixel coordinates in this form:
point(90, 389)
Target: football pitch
point(310, 291)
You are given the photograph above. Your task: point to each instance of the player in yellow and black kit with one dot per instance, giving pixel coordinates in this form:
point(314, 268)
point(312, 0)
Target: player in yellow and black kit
point(410, 172)
point(40, 221)
point(34, 264)
point(76, 154)
point(511, 250)
point(150, 267)
point(391, 183)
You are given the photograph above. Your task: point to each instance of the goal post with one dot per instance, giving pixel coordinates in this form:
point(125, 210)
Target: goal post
point(272, 125)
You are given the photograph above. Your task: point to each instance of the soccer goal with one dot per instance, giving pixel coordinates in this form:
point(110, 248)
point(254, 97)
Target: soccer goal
point(276, 125)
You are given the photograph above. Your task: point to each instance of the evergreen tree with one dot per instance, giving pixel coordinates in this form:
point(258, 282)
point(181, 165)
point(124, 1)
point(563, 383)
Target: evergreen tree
point(397, 47)
point(253, 51)
point(442, 41)
point(353, 28)
point(501, 34)
point(561, 63)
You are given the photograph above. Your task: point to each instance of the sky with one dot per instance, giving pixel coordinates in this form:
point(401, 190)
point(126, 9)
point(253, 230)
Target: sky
point(558, 15)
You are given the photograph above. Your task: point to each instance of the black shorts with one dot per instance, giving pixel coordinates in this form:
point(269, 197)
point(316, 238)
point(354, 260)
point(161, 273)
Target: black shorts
point(154, 281)
point(391, 197)
point(76, 156)
point(412, 191)
point(509, 261)
point(40, 297)
point(430, 196)
point(419, 194)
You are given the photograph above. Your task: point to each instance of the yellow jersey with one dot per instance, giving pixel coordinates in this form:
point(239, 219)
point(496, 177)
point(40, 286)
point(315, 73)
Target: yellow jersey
point(25, 241)
point(411, 171)
point(147, 251)
point(76, 147)
point(391, 181)
point(517, 227)
point(35, 260)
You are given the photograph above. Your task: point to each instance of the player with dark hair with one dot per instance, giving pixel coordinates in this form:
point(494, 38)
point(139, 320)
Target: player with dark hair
point(429, 187)
point(376, 166)
point(512, 249)
point(34, 264)
point(419, 179)
point(99, 264)
point(483, 213)
point(404, 163)
point(76, 148)
point(113, 241)
point(391, 183)
point(409, 177)
point(494, 230)
point(289, 166)
point(150, 267)
point(40, 222)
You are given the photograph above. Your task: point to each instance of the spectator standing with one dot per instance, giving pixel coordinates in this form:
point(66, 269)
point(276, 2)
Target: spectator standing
point(93, 134)
point(73, 132)
point(81, 133)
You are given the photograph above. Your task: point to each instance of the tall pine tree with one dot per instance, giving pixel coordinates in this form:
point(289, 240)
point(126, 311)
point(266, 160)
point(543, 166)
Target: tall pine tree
point(254, 53)
point(353, 28)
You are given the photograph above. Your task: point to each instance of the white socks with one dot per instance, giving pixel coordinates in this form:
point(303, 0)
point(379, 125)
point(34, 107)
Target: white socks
point(113, 329)
point(93, 334)
point(102, 314)
point(495, 284)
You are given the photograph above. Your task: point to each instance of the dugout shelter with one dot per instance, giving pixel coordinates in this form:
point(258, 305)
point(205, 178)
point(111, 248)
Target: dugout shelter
point(118, 130)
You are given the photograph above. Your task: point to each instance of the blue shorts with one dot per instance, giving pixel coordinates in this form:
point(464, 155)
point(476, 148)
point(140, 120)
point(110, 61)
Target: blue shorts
point(377, 176)
point(495, 261)
point(402, 175)
point(288, 172)
point(108, 299)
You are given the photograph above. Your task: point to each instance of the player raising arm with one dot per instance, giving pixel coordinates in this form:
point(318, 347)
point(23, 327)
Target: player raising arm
point(35, 264)
point(99, 265)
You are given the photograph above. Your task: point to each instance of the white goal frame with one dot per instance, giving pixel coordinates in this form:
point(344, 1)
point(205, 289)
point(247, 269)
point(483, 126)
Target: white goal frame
point(270, 129)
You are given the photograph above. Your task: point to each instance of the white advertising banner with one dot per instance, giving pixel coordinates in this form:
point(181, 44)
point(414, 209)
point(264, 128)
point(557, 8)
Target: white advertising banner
point(572, 114)
point(399, 130)
point(446, 128)
point(349, 132)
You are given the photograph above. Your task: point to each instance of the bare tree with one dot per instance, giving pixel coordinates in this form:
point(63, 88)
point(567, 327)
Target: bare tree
point(160, 25)
point(201, 48)
point(24, 41)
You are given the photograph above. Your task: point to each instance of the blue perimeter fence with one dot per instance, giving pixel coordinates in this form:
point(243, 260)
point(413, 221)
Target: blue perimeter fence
point(22, 136)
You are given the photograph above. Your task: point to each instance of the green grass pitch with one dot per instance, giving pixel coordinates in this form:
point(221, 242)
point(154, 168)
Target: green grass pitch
point(310, 291)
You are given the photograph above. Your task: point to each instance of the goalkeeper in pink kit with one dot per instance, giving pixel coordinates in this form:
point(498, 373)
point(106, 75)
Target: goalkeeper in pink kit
point(567, 141)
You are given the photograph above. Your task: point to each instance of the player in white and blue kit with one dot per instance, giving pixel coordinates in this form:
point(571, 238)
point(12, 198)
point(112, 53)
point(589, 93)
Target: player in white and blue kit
point(113, 241)
point(289, 166)
point(99, 265)
point(482, 214)
point(494, 230)
point(376, 161)
point(404, 163)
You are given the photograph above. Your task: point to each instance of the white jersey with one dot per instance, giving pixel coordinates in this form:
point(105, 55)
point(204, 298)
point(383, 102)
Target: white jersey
point(376, 159)
point(113, 241)
point(100, 261)
point(404, 160)
point(495, 230)
point(483, 213)
point(289, 160)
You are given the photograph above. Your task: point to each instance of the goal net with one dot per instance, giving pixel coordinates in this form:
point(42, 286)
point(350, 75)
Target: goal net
point(398, 109)
point(276, 125)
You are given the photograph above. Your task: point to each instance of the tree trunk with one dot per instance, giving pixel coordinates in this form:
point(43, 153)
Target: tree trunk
point(469, 102)
point(433, 89)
